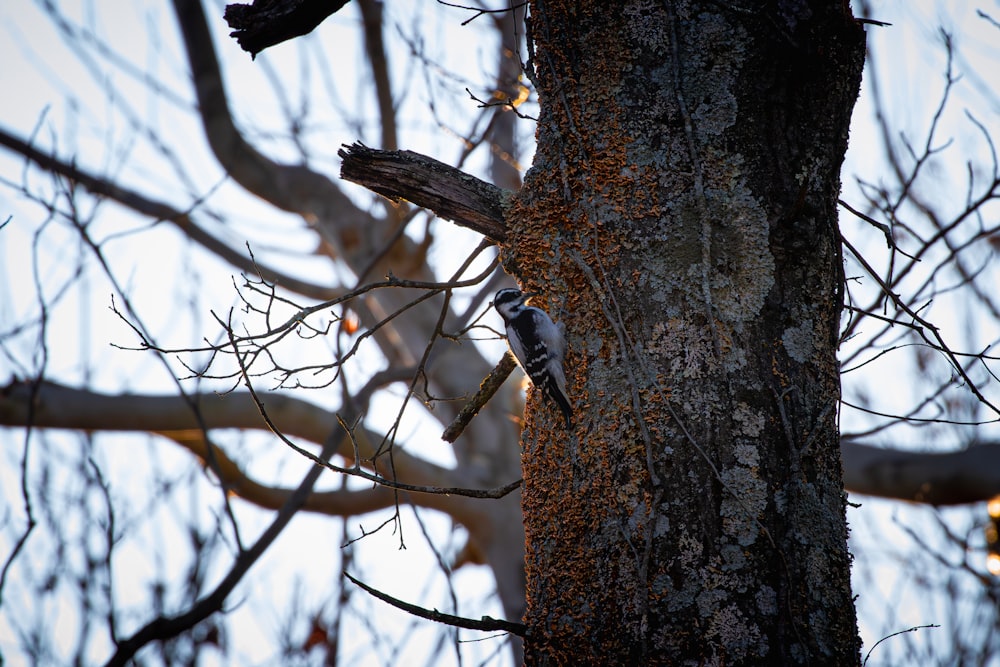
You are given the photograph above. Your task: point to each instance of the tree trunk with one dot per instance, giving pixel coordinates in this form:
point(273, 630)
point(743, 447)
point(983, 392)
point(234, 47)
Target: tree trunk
point(680, 219)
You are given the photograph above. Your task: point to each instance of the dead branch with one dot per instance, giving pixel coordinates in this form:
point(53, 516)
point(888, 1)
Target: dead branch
point(488, 387)
point(449, 192)
point(264, 23)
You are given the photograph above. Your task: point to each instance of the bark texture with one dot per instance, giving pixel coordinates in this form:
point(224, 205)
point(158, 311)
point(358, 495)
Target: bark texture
point(682, 211)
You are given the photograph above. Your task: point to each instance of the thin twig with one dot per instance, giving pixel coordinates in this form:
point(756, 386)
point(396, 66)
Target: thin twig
point(485, 624)
point(901, 632)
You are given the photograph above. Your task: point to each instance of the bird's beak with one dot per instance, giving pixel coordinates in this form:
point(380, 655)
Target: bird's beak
point(528, 295)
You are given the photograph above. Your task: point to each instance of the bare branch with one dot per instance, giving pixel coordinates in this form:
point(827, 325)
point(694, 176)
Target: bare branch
point(265, 23)
point(165, 627)
point(57, 406)
point(895, 634)
point(158, 210)
point(479, 11)
point(488, 387)
point(935, 333)
point(486, 623)
point(450, 193)
point(881, 226)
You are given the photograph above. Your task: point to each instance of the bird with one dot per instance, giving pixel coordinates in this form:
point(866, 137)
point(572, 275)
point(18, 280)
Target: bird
point(538, 345)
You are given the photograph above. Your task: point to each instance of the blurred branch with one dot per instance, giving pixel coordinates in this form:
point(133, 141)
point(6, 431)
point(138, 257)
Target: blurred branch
point(165, 627)
point(371, 15)
point(57, 406)
point(265, 23)
point(505, 151)
point(449, 192)
point(952, 478)
point(341, 502)
point(966, 476)
point(290, 187)
point(160, 211)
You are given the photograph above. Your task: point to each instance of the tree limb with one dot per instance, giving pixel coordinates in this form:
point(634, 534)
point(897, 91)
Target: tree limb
point(371, 17)
point(951, 478)
point(57, 406)
point(265, 23)
point(291, 187)
point(449, 192)
point(341, 502)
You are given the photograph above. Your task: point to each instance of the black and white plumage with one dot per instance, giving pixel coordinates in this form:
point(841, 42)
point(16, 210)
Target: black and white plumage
point(538, 345)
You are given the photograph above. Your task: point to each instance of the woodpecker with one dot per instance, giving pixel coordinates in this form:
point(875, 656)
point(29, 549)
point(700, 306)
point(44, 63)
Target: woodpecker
point(538, 345)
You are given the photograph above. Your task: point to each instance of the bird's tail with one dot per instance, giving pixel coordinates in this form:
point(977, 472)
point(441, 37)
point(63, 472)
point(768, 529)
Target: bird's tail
point(560, 399)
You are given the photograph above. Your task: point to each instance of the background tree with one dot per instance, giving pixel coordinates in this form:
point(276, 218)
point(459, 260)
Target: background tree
point(97, 511)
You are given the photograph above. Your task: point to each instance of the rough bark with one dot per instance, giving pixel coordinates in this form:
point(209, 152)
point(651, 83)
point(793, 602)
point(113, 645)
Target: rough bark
point(680, 218)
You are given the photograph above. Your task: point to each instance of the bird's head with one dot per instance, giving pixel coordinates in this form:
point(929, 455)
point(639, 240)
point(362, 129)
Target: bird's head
point(509, 300)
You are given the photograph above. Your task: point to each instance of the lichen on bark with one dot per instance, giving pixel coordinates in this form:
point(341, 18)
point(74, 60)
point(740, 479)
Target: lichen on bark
point(695, 512)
